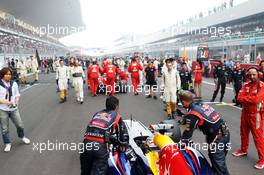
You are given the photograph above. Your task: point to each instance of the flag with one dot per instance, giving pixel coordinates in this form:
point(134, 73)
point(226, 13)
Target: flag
point(184, 55)
point(37, 56)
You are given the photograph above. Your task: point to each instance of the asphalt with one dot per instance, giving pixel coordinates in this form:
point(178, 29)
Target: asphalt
point(46, 121)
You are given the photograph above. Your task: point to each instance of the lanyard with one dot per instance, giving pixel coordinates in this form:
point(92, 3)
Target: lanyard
point(7, 90)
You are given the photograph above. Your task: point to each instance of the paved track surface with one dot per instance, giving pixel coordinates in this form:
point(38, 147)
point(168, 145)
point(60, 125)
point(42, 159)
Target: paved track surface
point(47, 120)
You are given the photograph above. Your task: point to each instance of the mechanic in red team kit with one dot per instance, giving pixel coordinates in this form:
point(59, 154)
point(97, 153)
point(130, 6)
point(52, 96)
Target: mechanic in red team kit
point(110, 71)
point(134, 69)
point(93, 74)
point(122, 74)
point(251, 97)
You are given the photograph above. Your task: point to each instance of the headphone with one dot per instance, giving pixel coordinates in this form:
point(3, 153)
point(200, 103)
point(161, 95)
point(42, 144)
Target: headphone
point(253, 67)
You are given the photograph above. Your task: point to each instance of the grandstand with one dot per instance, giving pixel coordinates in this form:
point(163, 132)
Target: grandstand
point(242, 34)
point(21, 32)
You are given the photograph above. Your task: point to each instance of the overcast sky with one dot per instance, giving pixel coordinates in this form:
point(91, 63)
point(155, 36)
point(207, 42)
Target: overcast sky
point(106, 20)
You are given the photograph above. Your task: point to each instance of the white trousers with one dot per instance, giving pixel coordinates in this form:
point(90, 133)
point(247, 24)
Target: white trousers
point(63, 84)
point(78, 87)
point(169, 95)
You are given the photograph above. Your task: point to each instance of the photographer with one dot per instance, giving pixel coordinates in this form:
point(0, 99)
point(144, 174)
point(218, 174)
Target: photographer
point(9, 100)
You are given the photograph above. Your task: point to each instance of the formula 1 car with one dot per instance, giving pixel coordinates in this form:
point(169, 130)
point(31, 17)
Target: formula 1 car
point(155, 152)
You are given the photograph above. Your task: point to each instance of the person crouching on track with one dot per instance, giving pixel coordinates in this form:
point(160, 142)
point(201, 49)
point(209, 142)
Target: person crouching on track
point(171, 82)
point(9, 100)
point(92, 76)
point(104, 125)
point(78, 80)
point(62, 76)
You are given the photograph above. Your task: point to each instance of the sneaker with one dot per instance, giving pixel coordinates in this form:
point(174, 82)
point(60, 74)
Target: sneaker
point(169, 116)
point(237, 104)
point(174, 115)
point(149, 96)
point(239, 153)
point(7, 147)
point(25, 140)
point(155, 97)
point(259, 165)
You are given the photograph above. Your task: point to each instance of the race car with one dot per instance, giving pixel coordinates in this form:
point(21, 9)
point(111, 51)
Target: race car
point(155, 151)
